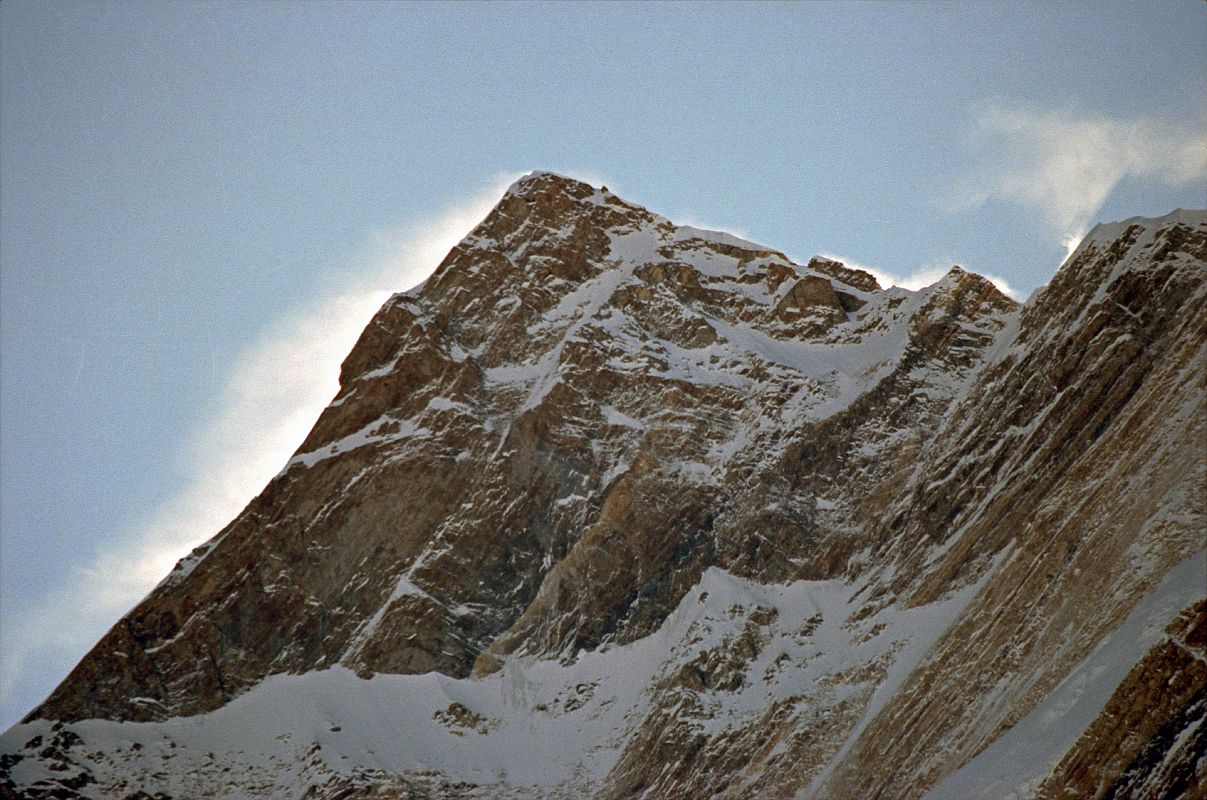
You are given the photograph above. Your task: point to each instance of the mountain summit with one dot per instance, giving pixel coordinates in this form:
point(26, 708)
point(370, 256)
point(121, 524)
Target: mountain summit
point(614, 507)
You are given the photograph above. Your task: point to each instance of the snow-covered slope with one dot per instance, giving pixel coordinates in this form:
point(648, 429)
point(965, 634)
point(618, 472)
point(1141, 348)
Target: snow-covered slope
point(619, 508)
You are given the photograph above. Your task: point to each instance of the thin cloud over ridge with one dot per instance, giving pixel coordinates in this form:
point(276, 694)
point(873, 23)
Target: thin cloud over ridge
point(273, 395)
point(1065, 163)
point(921, 277)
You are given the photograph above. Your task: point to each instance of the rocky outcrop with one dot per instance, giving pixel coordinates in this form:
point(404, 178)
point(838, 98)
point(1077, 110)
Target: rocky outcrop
point(692, 520)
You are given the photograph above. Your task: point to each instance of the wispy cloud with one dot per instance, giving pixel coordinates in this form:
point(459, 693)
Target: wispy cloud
point(274, 393)
point(921, 277)
point(693, 221)
point(1065, 163)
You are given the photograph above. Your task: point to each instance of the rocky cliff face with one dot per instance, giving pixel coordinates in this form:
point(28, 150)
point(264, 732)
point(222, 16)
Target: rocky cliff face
point(619, 508)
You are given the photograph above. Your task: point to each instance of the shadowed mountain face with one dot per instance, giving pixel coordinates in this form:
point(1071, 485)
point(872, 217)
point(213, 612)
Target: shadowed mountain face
point(615, 507)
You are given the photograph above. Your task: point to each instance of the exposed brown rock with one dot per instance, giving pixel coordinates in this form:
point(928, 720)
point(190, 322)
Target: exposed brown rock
point(860, 279)
point(1134, 747)
point(811, 294)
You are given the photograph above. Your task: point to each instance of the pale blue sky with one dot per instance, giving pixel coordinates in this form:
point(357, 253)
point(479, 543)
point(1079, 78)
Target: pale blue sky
point(189, 191)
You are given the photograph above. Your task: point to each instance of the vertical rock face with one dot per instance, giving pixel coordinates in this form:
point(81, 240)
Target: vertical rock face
point(615, 507)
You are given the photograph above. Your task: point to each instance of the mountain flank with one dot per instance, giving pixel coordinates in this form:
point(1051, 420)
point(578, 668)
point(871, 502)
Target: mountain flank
point(612, 507)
